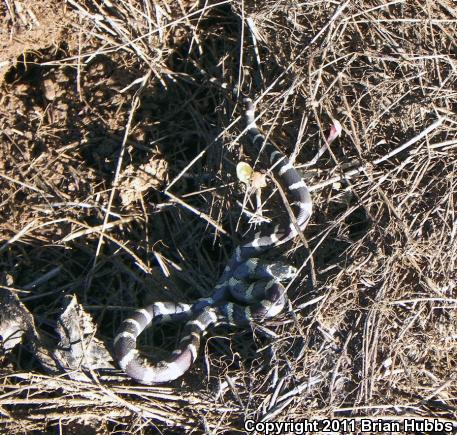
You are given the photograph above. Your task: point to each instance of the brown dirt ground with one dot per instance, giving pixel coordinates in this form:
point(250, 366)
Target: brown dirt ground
point(371, 329)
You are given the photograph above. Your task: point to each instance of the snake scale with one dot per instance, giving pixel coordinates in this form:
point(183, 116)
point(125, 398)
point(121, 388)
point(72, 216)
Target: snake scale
point(255, 287)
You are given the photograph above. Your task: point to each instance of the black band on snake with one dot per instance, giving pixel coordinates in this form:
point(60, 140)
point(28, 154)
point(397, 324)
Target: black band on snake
point(255, 286)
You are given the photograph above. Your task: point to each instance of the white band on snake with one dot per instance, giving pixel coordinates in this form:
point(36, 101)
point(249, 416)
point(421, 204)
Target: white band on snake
point(254, 286)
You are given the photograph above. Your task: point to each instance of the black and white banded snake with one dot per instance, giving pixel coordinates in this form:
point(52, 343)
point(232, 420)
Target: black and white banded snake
point(255, 286)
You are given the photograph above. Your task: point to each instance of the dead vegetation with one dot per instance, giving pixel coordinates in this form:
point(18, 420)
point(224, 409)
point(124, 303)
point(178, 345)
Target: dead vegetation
point(118, 185)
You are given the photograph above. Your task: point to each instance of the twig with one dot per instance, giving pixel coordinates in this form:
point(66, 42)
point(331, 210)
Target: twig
point(362, 168)
point(100, 229)
point(31, 226)
point(135, 104)
point(197, 212)
point(137, 259)
point(27, 186)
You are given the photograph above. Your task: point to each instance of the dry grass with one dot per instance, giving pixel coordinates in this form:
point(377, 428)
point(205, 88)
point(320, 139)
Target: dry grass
point(117, 176)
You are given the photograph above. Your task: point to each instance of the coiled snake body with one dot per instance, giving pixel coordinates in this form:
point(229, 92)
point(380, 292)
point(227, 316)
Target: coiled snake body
point(254, 286)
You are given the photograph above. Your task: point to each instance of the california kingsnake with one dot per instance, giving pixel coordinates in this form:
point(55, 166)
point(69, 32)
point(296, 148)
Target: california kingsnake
point(254, 285)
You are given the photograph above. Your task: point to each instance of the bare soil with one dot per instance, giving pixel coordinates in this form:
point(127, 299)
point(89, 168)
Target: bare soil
point(118, 186)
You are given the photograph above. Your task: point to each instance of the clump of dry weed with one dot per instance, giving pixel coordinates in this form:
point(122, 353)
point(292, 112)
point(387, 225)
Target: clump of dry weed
point(371, 331)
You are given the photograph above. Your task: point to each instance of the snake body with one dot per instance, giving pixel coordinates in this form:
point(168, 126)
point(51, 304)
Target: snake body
point(248, 291)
